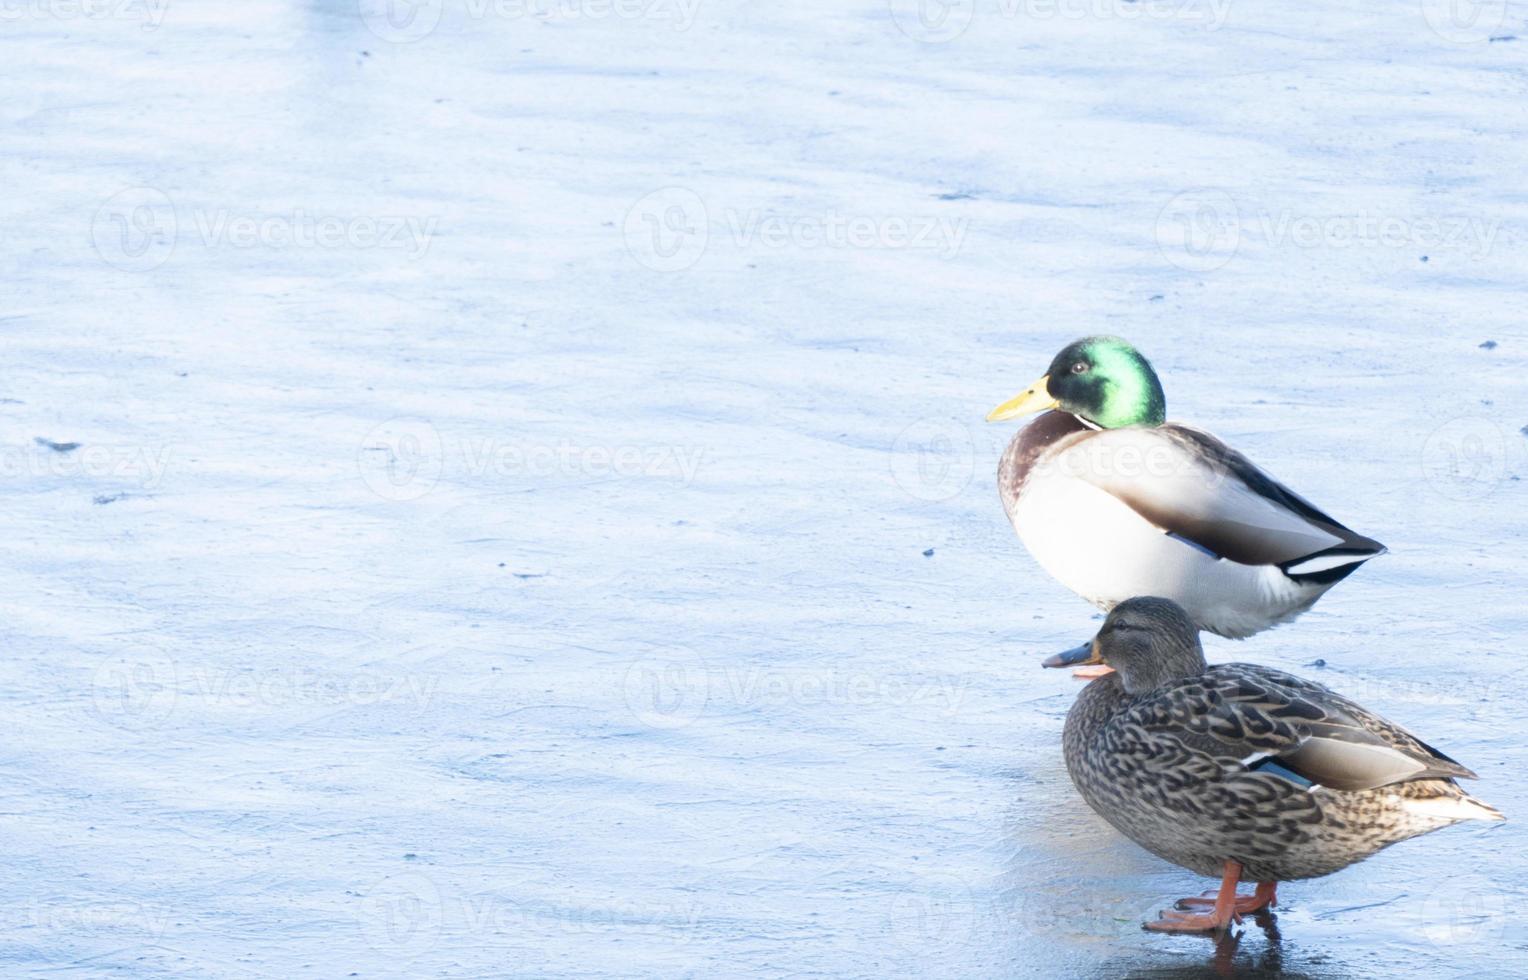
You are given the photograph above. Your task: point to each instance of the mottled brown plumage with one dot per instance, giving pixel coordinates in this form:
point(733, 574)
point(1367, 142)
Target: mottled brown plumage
point(1203, 765)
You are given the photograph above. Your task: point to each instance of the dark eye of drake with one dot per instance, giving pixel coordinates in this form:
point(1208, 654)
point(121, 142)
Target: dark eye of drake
point(1079, 367)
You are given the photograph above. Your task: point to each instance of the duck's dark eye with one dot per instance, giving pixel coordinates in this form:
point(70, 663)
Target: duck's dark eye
point(1079, 367)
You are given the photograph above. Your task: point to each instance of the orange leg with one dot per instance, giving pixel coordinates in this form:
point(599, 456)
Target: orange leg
point(1219, 917)
point(1265, 897)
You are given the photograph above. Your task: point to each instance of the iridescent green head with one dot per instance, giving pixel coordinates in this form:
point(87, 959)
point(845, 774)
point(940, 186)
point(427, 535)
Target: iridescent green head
point(1101, 379)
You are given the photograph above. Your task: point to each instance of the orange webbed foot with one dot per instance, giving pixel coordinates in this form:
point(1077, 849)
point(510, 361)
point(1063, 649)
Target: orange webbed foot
point(1223, 910)
point(1266, 896)
point(1172, 921)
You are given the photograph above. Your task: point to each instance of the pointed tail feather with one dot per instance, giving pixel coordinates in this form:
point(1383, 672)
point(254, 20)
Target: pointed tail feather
point(1453, 808)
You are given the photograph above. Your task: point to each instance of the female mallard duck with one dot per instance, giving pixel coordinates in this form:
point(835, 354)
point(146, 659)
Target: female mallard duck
point(1114, 501)
point(1242, 772)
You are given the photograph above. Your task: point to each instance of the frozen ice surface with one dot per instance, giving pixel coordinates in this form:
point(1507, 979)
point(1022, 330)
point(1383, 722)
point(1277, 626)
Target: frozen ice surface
point(510, 435)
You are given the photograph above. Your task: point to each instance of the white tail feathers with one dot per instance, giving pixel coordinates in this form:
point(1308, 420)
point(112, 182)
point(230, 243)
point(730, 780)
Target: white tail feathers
point(1453, 808)
point(1324, 563)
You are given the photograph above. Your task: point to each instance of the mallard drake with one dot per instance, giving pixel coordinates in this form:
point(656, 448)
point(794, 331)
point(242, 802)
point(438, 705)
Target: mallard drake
point(1241, 772)
point(1114, 501)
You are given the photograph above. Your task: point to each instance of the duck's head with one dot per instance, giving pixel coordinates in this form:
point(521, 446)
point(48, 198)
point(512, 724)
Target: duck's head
point(1102, 380)
point(1147, 640)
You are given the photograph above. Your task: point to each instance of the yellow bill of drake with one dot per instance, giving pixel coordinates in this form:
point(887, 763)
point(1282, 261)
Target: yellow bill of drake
point(1035, 398)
